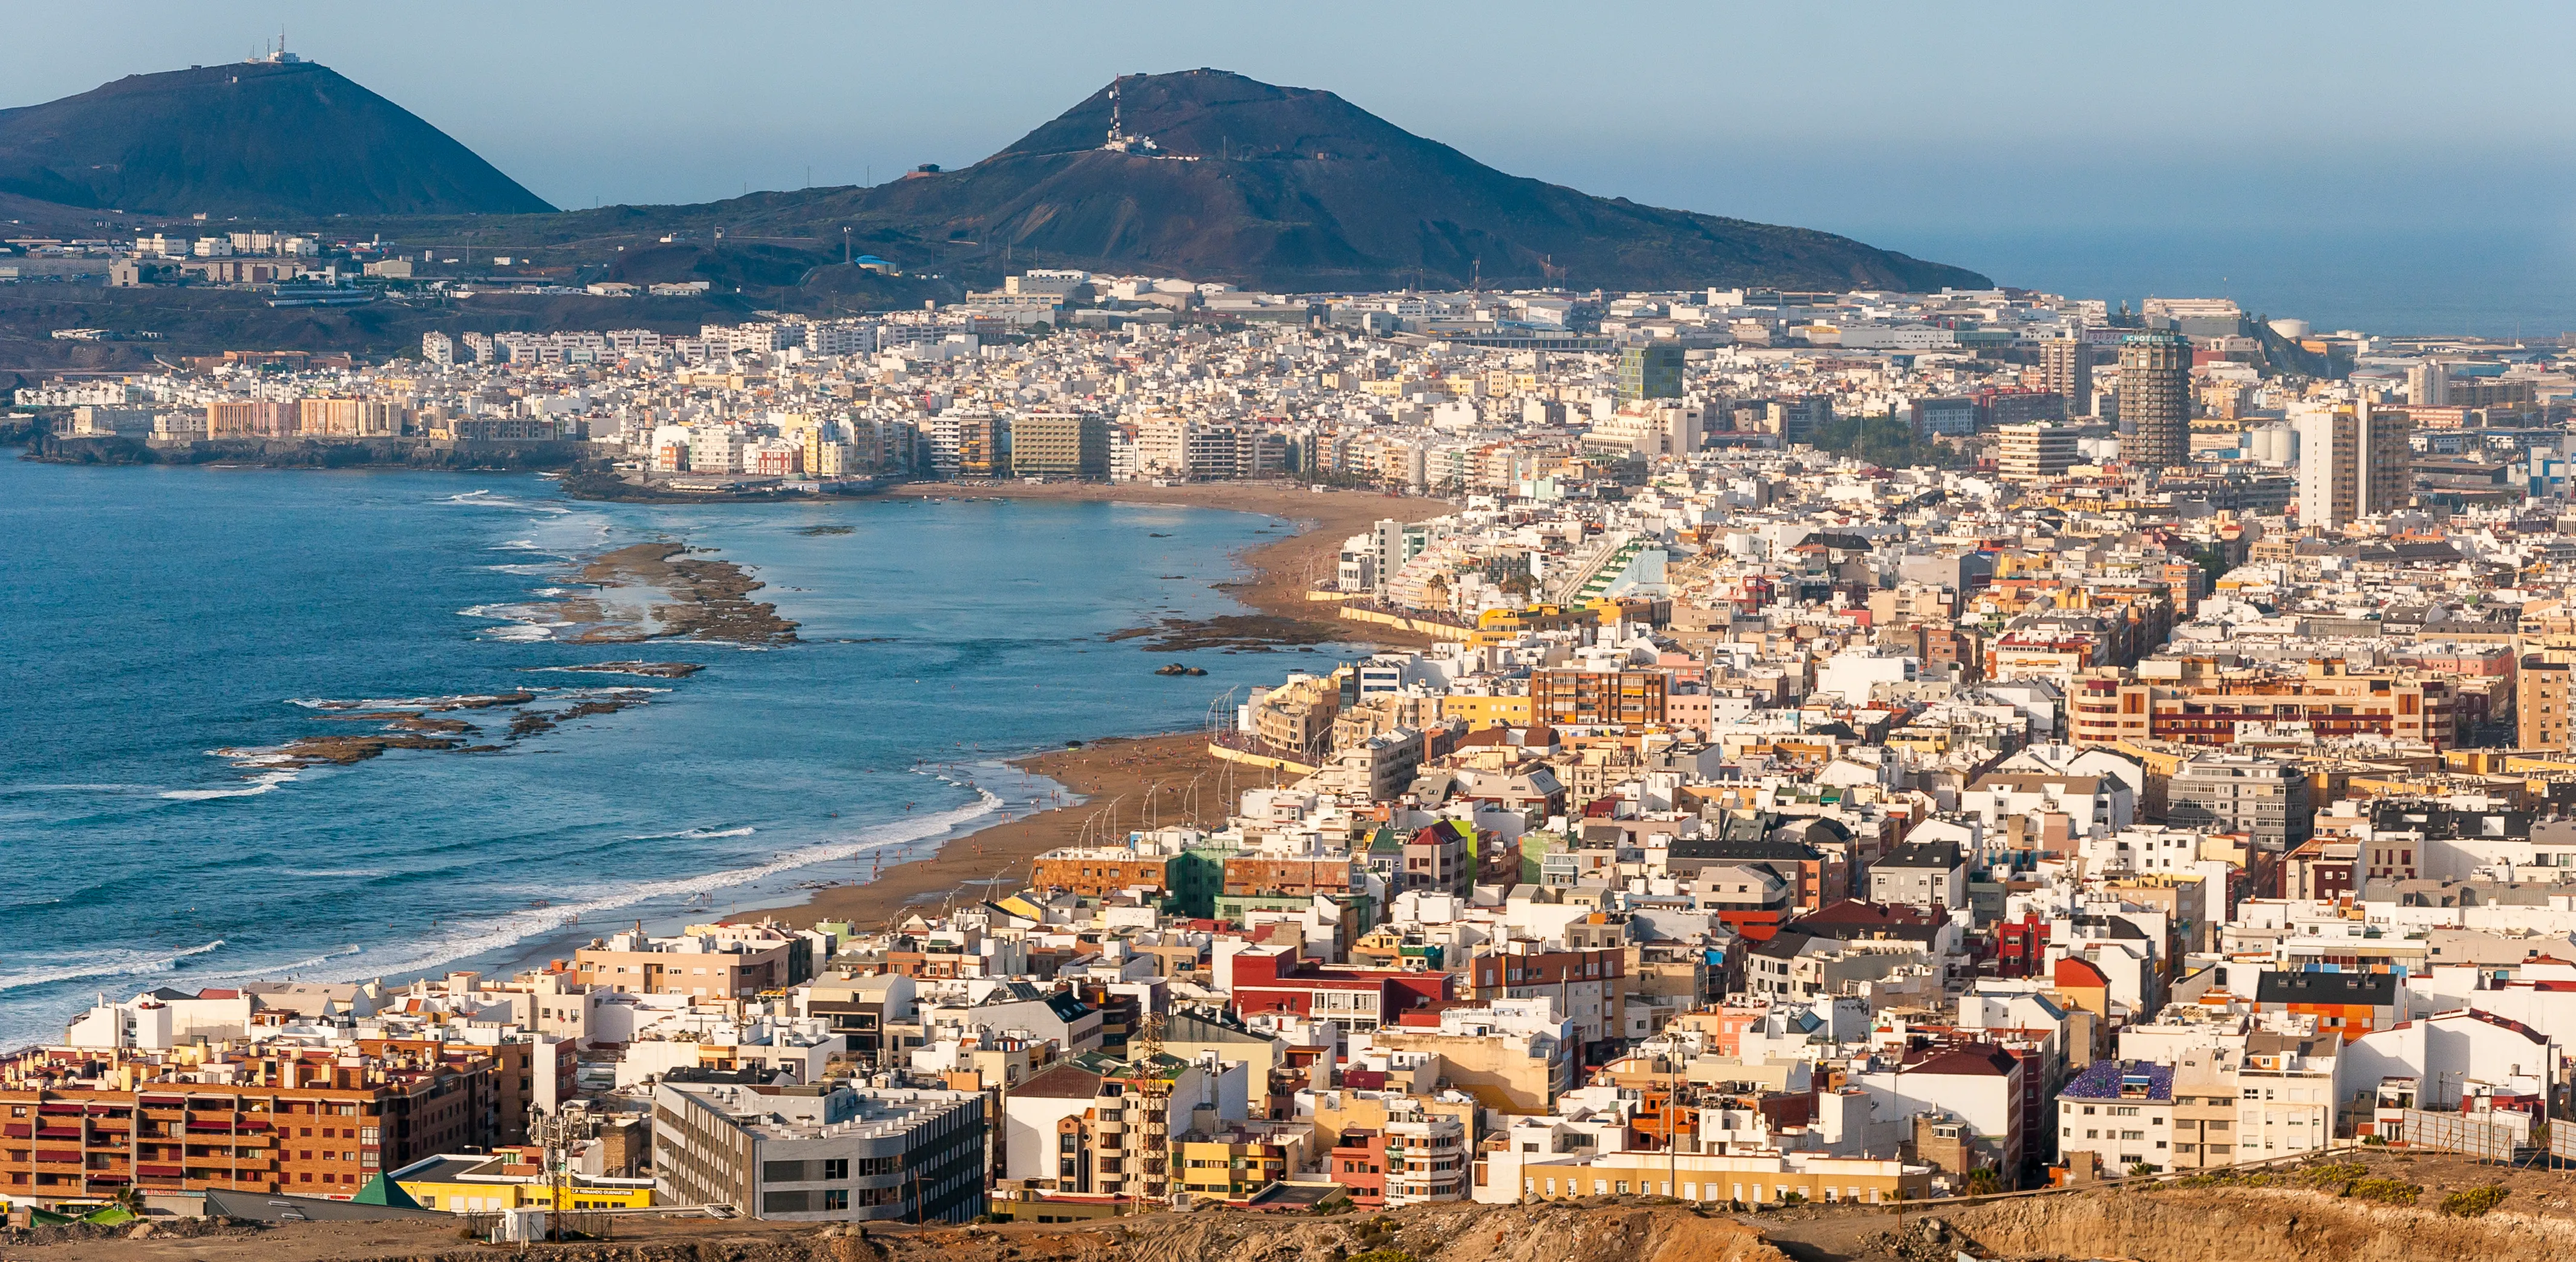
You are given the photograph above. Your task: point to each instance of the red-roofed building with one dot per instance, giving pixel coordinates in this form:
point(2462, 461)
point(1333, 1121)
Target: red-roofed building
point(1277, 979)
point(2083, 984)
point(1979, 1084)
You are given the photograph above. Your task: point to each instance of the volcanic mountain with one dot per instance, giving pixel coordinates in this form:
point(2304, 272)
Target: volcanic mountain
point(252, 138)
point(1221, 177)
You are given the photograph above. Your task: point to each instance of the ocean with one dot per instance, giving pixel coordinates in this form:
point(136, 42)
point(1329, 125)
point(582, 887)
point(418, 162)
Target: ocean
point(154, 615)
point(2482, 279)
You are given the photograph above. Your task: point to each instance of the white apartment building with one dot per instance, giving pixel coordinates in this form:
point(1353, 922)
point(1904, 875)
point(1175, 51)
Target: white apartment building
point(716, 449)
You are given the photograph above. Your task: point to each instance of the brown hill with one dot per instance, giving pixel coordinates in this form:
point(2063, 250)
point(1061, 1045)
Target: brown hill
point(1227, 178)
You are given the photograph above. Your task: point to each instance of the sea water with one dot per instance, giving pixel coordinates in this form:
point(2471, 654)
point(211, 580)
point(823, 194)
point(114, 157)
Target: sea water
point(153, 615)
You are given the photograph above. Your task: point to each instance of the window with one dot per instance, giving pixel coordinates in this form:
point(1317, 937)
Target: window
point(836, 1198)
point(836, 1168)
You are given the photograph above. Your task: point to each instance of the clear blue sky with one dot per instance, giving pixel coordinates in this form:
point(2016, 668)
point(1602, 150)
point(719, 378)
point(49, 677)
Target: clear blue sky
point(1923, 127)
point(1844, 114)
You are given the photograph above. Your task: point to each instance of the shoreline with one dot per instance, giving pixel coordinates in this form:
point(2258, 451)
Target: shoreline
point(1282, 570)
point(1119, 769)
point(1102, 777)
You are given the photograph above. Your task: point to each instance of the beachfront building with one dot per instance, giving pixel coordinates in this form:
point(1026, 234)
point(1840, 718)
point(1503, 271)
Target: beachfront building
point(1059, 444)
point(702, 966)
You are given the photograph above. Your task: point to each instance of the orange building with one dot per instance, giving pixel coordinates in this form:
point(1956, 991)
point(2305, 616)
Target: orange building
point(2327, 699)
point(1098, 871)
point(85, 1124)
point(2348, 1004)
point(1598, 696)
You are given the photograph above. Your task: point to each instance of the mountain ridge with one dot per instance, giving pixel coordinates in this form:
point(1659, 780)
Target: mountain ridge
point(1207, 175)
point(1223, 177)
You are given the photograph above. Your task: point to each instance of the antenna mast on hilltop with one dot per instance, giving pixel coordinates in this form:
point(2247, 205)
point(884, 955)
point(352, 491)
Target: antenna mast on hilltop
point(1119, 141)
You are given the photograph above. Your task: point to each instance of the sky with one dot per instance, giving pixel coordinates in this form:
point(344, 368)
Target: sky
point(2018, 133)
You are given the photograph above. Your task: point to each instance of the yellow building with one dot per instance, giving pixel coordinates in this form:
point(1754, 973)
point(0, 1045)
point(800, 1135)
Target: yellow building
point(1508, 624)
point(1233, 1164)
point(510, 1178)
point(1709, 1177)
point(1297, 716)
point(1484, 711)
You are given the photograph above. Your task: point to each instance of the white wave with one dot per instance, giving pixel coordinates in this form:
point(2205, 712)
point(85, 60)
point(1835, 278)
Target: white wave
point(329, 872)
point(264, 971)
point(512, 612)
point(530, 570)
point(264, 782)
point(600, 669)
point(105, 964)
point(457, 700)
point(517, 633)
point(486, 499)
point(697, 834)
point(501, 932)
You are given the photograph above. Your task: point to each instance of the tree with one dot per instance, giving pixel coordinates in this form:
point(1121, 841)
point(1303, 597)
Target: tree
point(1883, 440)
point(1983, 1181)
point(2212, 562)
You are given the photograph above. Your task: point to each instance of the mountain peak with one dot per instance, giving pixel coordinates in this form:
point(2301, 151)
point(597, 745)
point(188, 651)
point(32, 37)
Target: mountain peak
point(1212, 175)
point(246, 138)
point(1220, 114)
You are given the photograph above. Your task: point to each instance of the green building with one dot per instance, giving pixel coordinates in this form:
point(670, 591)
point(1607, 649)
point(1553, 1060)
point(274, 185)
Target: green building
point(1193, 879)
point(1650, 370)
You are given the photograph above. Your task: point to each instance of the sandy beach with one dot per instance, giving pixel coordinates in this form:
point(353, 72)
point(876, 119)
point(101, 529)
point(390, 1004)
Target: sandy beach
point(1111, 775)
point(1120, 769)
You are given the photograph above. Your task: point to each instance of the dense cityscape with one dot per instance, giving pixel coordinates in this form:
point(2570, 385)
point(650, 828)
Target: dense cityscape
point(1828, 747)
point(1234, 635)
